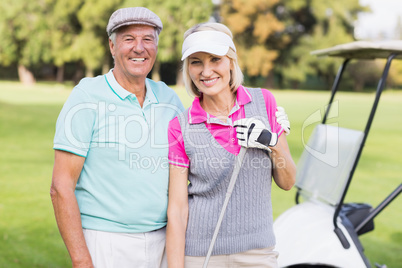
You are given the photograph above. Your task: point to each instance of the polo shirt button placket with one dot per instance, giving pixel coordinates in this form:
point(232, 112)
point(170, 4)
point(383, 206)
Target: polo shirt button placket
point(143, 114)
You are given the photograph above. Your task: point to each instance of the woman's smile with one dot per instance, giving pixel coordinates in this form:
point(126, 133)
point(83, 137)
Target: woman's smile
point(209, 82)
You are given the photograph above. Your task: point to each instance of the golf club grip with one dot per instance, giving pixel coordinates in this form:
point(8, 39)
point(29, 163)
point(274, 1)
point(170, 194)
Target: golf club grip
point(232, 182)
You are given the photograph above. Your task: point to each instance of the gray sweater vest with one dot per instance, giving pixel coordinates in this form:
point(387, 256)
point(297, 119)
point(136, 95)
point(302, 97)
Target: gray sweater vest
point(248, 220)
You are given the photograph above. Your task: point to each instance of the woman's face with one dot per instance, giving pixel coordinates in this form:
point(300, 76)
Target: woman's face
point(209, 73)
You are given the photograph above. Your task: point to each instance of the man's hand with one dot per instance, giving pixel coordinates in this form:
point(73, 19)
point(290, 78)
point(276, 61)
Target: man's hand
point(282, 119)
point(251, 133)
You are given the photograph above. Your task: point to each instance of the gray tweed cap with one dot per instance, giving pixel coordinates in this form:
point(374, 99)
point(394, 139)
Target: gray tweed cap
point(133, 15)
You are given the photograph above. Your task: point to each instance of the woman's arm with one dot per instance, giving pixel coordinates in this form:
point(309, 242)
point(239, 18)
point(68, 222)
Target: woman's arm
point(177, 216)
point(284, 168)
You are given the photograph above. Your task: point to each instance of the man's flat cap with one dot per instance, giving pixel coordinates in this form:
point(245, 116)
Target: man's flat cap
point(133, 15)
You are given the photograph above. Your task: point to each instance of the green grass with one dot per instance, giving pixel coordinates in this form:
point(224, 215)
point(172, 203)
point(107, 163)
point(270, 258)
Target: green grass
point(28, 231)
point(28, 234)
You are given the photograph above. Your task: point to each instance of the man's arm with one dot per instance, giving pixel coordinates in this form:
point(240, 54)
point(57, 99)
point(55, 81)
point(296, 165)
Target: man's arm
point(66, 171)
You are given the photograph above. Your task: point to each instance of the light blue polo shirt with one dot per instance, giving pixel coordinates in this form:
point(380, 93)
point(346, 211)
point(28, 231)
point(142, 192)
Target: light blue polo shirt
point(123, 185)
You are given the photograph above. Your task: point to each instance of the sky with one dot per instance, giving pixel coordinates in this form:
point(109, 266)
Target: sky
point(382, 20)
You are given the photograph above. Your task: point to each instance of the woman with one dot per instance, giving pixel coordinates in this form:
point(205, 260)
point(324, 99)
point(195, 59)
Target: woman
point(204, 141)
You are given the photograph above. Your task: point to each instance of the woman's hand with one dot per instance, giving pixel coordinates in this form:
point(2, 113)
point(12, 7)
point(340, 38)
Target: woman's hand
point(252, 133)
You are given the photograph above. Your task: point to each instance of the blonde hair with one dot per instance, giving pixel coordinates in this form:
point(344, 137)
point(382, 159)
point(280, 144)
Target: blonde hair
point(236, 78)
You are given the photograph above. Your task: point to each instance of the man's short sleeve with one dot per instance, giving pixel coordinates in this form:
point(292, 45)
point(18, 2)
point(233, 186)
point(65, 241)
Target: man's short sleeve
point(74, 127)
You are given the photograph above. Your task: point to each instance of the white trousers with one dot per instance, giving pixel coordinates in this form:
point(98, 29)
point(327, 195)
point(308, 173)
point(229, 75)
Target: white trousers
point(126, 250)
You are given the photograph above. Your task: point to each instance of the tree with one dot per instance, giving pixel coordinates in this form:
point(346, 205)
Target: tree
point(91, 45)
point(362, 73)
point(64, 27)
point(79, 33)
point(395, 72)
point(24, 37)
point(74, 31)
point(299, 22)
point(56, 32)
point(254, 25)
point(332, 25)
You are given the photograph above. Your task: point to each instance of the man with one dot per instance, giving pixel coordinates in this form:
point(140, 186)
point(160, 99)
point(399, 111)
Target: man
point(110, 177)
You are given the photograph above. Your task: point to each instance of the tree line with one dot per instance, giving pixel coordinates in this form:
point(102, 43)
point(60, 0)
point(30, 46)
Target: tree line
point(66, 39)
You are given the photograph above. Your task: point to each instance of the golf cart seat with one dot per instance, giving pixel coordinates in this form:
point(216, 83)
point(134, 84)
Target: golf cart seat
point(325, 165)
point(324, 168)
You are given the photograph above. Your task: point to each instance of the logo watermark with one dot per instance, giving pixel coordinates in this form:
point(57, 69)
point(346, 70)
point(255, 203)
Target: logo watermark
point(325, 146)
point(116, 129)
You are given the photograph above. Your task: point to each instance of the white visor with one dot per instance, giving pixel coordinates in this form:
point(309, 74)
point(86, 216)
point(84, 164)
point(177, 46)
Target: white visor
point(213, 42)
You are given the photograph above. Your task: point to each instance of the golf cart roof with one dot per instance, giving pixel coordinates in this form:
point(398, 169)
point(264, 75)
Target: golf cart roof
point(363, 50)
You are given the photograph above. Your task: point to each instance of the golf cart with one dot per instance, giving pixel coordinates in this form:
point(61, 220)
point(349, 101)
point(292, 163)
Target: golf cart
point(321, 230)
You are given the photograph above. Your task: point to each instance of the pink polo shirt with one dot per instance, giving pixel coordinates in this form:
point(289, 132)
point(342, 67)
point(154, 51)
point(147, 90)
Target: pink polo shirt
point(224, 132)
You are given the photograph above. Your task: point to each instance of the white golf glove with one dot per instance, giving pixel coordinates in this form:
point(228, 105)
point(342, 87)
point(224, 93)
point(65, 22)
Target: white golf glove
point(282, 119)
point(251, 133)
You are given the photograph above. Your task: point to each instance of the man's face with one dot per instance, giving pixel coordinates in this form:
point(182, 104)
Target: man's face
point(134, 51)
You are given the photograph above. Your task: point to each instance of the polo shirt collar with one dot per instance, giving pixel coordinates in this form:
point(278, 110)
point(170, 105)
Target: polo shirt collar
point(243, 96)
point(122, 93)
point(197, 115)
point(150, 94)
